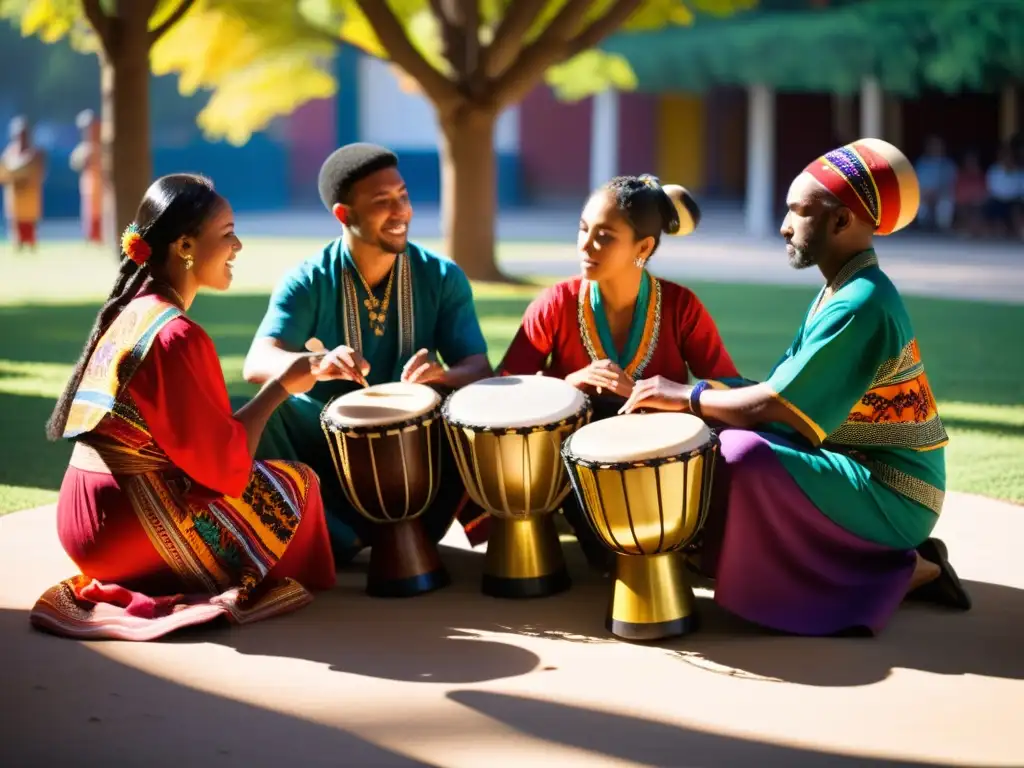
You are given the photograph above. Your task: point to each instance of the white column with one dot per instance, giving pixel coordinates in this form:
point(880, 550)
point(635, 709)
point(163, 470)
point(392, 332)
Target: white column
point(604, 137)
point(872, 109)
point(760, 160)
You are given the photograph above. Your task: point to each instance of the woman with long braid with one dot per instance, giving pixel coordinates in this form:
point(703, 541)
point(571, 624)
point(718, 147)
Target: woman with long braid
point(163, 509)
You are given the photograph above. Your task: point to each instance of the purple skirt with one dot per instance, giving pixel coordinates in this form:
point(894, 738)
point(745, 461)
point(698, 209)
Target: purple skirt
point(779, 562)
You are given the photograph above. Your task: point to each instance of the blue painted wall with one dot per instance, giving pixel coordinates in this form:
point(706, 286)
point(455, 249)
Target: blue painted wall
point(421, 169)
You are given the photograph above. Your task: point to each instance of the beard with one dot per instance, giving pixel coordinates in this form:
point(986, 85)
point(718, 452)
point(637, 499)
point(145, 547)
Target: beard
point(387, 244)
point(809, 252)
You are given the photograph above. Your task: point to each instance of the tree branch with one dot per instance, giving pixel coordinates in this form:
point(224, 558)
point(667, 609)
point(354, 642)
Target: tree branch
point(184, 6)
point(389, 31)
point(456, 35)
point(99, 21)
point(556, 44)
point(601, 28)
point(509, 36)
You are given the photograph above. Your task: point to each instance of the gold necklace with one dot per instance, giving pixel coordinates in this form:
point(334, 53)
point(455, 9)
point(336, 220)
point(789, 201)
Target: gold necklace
point(377, 309)
point(174, 295)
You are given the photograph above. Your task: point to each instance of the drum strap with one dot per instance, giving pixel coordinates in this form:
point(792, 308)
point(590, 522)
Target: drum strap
point(406, 313)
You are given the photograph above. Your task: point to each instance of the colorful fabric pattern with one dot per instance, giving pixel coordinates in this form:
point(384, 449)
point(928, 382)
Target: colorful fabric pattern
point(596, 334)
point(117, 355)
point(874, 180)
point(217, 549)
point(854, 377)
point(672, 335)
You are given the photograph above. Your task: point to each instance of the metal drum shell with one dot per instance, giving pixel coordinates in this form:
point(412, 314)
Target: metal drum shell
point(645, 507)
point(514, 472)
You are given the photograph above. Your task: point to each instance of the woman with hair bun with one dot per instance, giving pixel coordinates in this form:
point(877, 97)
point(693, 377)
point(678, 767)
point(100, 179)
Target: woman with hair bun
point(162, 508)
point(616, 323)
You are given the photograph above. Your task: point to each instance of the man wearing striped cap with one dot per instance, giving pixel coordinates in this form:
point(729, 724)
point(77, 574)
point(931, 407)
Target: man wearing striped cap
point(834, 468)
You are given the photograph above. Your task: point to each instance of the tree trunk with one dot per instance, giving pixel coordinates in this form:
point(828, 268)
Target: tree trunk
point(469, 190)
point(124, 78)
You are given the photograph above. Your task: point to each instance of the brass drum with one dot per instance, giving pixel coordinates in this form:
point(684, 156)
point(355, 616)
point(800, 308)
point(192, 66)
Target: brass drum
point(506, 434)
point(385, 441)
point(644, 484)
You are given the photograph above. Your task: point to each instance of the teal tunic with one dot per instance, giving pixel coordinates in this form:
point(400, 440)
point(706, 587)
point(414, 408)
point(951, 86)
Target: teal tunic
point(854, 376)
point(431, 307)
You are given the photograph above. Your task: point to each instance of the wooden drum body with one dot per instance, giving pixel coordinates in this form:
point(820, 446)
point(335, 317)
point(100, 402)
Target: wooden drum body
point(385, 441)
point(506, 435)
point(644, 484)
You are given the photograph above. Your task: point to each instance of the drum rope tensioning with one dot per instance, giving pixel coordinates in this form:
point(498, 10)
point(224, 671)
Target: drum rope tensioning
point(644, 484)
point(506, 435)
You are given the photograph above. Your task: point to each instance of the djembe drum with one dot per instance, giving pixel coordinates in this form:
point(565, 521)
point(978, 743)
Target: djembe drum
point(506, 434)
point(385, 441)
point(644, 484)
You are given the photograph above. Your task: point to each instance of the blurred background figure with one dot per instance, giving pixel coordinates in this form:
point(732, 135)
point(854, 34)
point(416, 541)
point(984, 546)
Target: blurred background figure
point(22, 170)
point(86, 161)
point(936, 173)
point(971, 194)
point(1005, 207)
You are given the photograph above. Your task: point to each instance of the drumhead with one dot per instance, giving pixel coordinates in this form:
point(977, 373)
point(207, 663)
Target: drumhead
point(510, 402)
point(639, 437)
point(381, 405)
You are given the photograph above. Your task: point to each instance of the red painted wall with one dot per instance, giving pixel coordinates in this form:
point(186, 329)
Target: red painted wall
point(803, 132)
point(554, 146)
point(964, 121)
point(638, 133)
point(311, 133)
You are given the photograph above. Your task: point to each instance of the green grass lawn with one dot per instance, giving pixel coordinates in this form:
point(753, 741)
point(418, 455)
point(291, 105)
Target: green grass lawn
point(48, 302)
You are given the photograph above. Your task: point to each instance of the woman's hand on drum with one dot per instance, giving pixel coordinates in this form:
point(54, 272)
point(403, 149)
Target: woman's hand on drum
point(604, 376)
point(343, 363)
point(423, 368)
point(660, 394)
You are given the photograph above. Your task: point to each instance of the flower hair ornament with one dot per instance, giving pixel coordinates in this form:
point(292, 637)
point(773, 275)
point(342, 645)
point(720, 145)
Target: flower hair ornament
point(133, 246)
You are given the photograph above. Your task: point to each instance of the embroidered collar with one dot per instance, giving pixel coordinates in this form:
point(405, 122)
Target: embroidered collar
point(860, 262)
point(590, 334)
point(350, 305)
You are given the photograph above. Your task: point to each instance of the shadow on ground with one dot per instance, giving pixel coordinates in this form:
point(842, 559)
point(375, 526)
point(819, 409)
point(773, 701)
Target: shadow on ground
point(447, 637)
point(99, 711)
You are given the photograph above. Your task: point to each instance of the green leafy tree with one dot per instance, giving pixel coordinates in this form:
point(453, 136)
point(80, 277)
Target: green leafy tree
point(471, 59)
point(122, 34)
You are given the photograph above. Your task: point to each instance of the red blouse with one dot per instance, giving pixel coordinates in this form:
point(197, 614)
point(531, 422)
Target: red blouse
point(687, 342)
point(181, 394)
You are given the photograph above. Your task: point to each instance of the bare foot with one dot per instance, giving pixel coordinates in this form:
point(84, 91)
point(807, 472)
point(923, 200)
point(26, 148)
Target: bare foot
point(925, 571)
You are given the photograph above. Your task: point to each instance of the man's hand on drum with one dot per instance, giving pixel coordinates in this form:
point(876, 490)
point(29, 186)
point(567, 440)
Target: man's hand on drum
point(343, 363)
point(603, 376)
point(658, 394)
point(423, 368)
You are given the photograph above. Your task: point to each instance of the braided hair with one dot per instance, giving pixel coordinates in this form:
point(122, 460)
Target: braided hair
point(174, 206)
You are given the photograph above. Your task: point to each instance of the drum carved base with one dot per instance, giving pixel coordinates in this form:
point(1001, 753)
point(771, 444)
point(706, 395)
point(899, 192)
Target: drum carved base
point(651, 599)
point(404, 562)
point(524, 559)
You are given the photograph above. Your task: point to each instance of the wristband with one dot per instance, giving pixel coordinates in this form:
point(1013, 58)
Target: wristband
point(695, 393)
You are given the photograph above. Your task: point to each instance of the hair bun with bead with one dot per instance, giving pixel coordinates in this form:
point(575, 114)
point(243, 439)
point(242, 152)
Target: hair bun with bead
point(687, 212)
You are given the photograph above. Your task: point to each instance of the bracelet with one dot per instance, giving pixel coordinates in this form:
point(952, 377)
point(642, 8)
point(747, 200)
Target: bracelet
point(695, 393)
